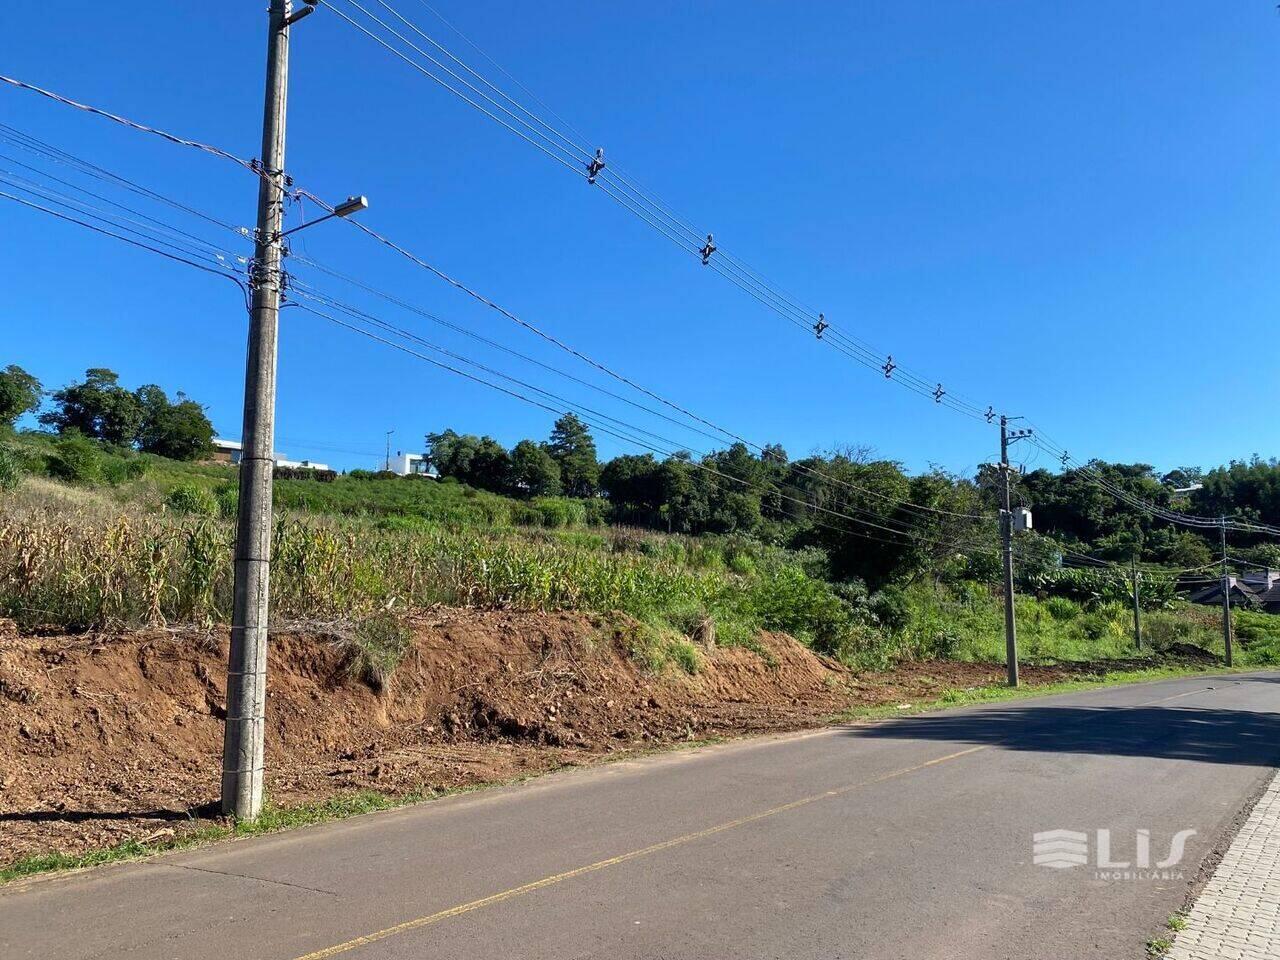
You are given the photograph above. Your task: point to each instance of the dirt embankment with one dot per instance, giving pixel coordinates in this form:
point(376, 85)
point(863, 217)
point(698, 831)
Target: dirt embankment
point(110, 737)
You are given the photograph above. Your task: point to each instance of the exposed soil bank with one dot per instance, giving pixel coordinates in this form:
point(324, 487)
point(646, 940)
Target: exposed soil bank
point(105, 738)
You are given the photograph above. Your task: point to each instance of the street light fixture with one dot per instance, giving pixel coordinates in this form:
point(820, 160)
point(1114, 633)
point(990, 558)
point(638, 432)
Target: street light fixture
point(345, 209)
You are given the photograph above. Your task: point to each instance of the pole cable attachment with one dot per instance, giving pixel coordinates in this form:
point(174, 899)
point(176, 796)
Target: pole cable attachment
point(596, 165)
point(708, 249)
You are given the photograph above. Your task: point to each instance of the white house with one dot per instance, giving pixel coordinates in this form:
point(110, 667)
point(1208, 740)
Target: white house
point(300, 464)
point(412, 463)
point(230, 451)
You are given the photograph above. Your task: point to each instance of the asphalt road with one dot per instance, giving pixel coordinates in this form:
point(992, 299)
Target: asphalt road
point(910, 838)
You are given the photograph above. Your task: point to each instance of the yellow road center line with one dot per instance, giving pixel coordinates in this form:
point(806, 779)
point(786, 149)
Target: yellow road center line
point(621, 858)
point(520, 891)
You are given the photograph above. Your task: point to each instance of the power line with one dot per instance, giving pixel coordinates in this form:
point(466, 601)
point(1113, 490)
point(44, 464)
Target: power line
point(132, 124)
point(34, 145)
point(907, 531)
point(102, 173)
point(848, 345)
point(551, 142)
point(619, 426)
point(153, 225)
point(136, 243)
point(911, 536)
point(725, 431)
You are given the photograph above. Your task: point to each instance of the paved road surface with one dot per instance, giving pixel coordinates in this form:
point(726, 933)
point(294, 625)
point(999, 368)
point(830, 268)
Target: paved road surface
point(905, 839)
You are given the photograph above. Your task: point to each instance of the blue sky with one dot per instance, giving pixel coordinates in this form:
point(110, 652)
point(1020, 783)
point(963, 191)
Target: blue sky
point(1067, 210)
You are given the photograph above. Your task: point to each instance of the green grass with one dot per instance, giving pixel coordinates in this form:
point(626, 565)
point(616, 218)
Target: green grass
point(997, 693)
point(272, 820)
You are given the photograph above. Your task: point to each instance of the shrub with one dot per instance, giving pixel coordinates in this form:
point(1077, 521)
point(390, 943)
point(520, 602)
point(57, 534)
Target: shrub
point(189, 498)
point(560, 511)
point(686, 656)
point(378, 642)
point(76, 459)
point(891, 609)
point(807, 609)
point(1061, 609)
point(1161, 630)
point(596, 512)
point(121, 469)
point(1259, 635)
point(228, 497)
point(10, 469)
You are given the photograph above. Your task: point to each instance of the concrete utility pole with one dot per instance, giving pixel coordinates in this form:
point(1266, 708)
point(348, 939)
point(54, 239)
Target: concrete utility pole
point(1226, 593)
point(242, 748)
point(1006, 542)
point(1137, 607)
point(387, 464)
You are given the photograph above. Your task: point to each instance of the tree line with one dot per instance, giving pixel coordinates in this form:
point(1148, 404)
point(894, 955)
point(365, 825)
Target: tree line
point(99, 408)
point(809, 501)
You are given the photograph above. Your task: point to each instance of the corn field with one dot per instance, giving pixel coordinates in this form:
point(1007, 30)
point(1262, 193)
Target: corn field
point(75, 570)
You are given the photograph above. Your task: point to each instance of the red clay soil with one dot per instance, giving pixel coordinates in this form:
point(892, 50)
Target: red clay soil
point(104, 738)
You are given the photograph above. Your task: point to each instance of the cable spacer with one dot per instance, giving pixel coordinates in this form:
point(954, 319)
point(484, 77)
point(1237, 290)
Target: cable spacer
point(596, 165)
point(990, 414)
point(708, 250)
point(819, 326)
point(938, 394)
point(889, 367)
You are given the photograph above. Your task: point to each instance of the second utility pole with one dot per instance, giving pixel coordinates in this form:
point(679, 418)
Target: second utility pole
point(1137, 607)
point(1006, 542)
point(1226, 594)
point(243, 738)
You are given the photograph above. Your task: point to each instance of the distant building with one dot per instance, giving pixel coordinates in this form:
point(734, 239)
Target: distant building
point(1257, 590)
point(226, 451)
point(230, 451)
point(300, 464)
point(416, 464)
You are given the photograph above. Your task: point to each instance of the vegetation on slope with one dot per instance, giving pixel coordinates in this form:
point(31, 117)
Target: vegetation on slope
point(104, 529)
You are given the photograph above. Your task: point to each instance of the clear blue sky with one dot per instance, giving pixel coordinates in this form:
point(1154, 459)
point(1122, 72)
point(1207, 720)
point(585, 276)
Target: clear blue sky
point(1067, 209)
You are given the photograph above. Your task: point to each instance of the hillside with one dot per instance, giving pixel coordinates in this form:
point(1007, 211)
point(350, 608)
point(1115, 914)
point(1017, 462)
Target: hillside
point(95, 535)
point(130, 723)
point(430, 637)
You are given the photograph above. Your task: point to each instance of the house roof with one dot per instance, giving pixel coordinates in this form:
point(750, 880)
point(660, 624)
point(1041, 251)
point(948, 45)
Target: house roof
point(1251, 593)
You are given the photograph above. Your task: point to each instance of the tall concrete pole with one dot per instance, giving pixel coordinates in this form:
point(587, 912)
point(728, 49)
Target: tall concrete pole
point(242, 748)
point(1006, 541)
point(1226, 594)
point(1137, 608)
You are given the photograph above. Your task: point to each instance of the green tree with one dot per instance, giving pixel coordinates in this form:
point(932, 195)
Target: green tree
point(490, 466)
point(179, 431)
point(1245, 488)
point(534, 472)
point(633, 481)
point(477, 461)
point(574, 450)
point(19, 393)
point(99, 408)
